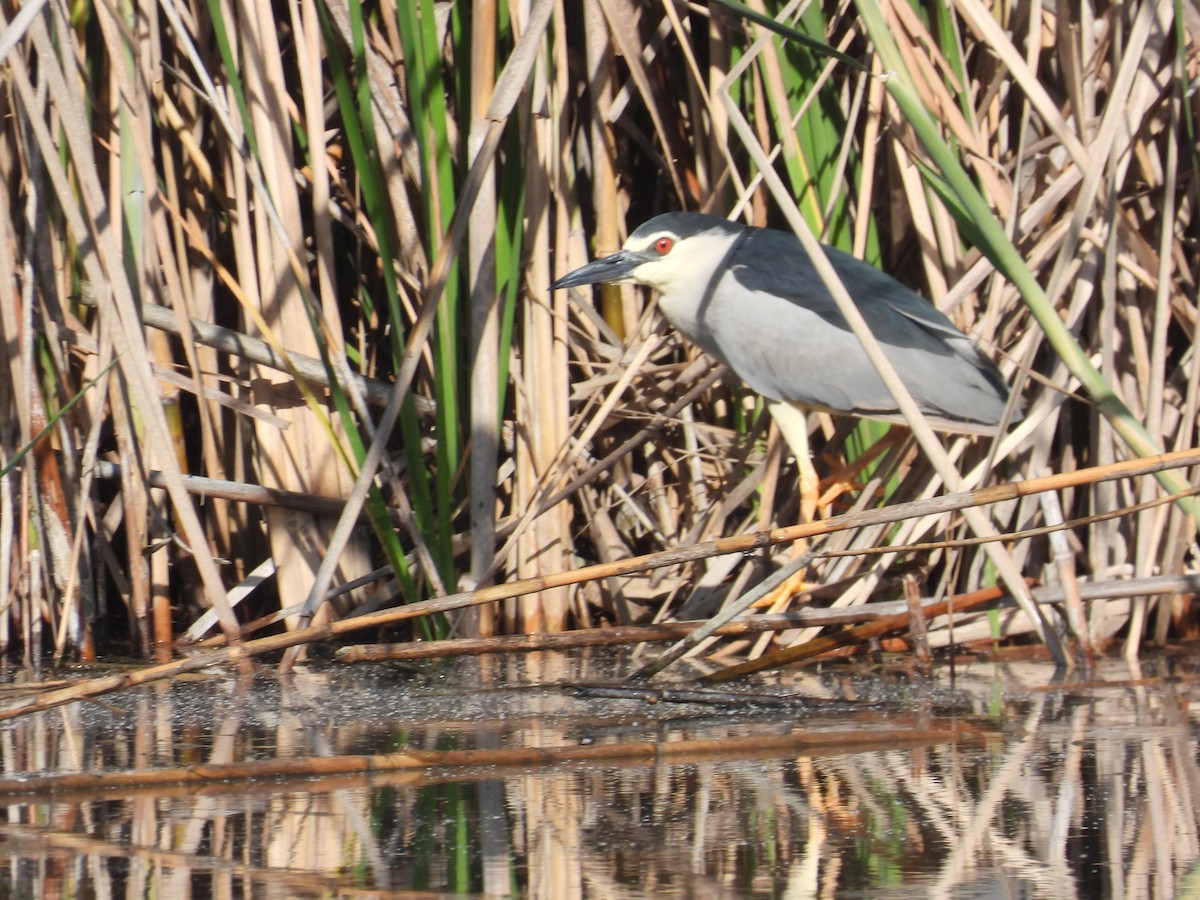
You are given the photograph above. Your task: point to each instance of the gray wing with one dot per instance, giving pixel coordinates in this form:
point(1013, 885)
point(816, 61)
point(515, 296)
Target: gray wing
point(793, 344)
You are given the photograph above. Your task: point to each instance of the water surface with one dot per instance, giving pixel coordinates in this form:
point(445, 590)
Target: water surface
point(985, 781)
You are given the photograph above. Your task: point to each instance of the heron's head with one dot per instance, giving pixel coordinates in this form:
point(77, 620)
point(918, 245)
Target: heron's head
point(668, 251)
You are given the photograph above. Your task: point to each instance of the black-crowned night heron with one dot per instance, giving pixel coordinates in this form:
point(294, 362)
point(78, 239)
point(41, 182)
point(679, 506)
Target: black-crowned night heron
point(752, 299)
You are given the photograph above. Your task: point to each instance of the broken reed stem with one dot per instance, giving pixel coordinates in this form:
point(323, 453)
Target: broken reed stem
point(519, 758)
point(251, 349)
point(857, 635)
point(918, 625)
point(242, 492)
point(740, 544)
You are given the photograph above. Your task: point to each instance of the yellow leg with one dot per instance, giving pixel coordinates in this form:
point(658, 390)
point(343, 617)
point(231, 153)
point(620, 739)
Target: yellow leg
point(793, 425)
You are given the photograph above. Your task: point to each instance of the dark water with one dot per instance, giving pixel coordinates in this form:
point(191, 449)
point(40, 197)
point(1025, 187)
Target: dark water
point(991, 781)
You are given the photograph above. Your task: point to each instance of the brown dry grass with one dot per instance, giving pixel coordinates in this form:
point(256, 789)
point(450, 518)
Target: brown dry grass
point(320, 222)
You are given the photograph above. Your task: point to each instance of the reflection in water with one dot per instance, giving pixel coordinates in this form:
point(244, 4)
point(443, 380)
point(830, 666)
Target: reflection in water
point(1075, 790)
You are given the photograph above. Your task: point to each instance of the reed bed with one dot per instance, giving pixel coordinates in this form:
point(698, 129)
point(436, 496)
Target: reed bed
point(278, 338)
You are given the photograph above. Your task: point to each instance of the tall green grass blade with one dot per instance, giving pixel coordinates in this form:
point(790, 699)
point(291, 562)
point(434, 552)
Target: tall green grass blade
point(417, 28)
point(948, 38)
point(354, 105)
point(786, 31)
point(230, 69)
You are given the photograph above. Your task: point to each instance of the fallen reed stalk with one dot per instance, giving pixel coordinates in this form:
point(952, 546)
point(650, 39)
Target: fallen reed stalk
point(662, 632)
point(519, 758)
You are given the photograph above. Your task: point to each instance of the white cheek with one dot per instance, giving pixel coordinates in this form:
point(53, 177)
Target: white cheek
point(652, 274)
point(688, 267)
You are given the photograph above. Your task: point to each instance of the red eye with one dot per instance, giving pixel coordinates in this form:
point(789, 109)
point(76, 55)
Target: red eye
point(663, 245)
